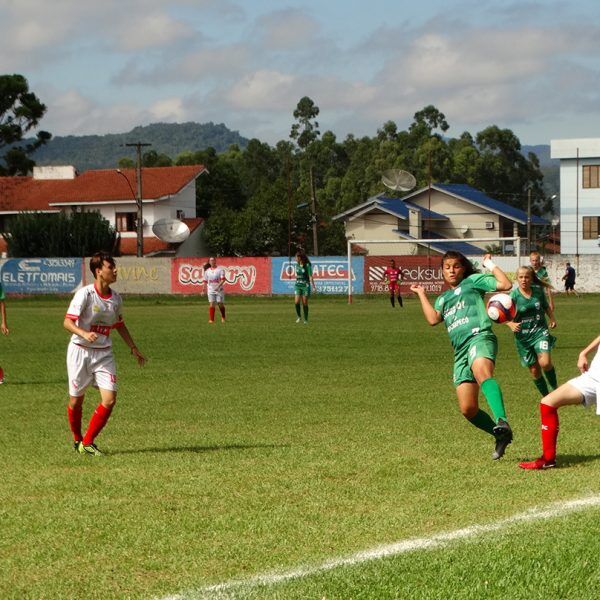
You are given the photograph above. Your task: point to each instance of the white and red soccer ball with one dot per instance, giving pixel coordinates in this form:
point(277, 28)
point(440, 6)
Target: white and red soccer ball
point(501, 308)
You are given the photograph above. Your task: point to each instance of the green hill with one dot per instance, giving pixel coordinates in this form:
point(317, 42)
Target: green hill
point(104, 151)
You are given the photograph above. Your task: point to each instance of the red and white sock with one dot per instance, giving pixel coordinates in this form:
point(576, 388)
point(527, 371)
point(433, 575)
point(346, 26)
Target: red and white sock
point(74, 415)
point(549, 416)
point(97, 422)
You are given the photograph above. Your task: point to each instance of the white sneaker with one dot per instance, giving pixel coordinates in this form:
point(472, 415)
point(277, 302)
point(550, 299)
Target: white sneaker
point(298, 320)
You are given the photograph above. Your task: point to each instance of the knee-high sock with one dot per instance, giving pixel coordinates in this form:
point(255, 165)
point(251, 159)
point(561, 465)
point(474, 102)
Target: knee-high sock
point(483, 421)
point(400, 300)
point(493, 394)
point(305, 308)
point(75, 421)
point(392, 301)
point(211, 313)
point(540, 384)
point(549, 416)
point(297, 305)
point(97, 422)
point(551, 377)
point(222, 311)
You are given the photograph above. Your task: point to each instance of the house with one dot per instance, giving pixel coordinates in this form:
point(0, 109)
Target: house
point(440, 211)
point(167, 193)
point(579, 194)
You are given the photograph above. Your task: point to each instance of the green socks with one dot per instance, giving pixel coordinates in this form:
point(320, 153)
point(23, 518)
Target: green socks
point(493, 394)
point(551, 377)
point(483, 421)
point(540, 384)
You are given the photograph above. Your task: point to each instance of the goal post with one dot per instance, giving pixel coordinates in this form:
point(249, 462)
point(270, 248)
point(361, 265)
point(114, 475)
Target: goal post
point(419, 265)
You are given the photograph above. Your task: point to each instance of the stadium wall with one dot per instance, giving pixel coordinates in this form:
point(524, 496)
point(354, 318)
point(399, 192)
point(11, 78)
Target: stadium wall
point(263, 275)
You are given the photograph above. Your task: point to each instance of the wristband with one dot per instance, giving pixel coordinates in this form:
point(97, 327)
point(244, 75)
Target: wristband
point(489, 264)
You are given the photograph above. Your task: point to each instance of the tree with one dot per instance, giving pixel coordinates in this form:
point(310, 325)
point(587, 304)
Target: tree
point(76, 234)
point(20, 111)
point(306, 130)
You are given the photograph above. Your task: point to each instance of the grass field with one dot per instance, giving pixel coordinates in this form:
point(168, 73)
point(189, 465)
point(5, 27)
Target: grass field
point(262, 446)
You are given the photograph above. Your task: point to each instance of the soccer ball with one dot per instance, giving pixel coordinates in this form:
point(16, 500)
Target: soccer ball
point(501, 308)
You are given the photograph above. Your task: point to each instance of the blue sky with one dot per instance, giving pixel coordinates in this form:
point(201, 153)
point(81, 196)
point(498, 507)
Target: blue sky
point(107, 66)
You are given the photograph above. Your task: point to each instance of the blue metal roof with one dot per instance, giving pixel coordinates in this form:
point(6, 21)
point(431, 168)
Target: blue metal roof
point(462, 247)
point(400, 208)
point(468, 193)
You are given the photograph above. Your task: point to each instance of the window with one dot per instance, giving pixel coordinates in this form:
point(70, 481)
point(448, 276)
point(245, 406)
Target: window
point(591, 176)
point(591, 228)
point(125, 221)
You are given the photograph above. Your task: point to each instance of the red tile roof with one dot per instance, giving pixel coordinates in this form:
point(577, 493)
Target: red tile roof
point(108, 185)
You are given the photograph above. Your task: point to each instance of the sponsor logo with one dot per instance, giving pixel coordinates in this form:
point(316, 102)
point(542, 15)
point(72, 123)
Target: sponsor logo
point(244, 275)
point(322, 271)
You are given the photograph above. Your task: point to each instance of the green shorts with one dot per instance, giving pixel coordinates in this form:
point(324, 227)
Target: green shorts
point(483, 345)
point(529, 349)
point(302, 290)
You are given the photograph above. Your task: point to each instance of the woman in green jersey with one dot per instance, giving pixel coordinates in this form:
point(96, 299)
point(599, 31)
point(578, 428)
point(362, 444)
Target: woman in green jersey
point(303, 285)
point(462, 309)
point(532, 337)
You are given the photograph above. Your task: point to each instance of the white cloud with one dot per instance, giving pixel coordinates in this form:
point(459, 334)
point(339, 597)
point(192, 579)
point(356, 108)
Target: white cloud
point(287, 29)
point(152, 30)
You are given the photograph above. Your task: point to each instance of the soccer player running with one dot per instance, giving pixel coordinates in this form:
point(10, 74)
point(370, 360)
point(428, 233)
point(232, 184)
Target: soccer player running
point(580, 390)
point(540, 270)
point(94, 311)
point(304, 283)
point(534, 341)
point(214, 278)
point(392, 276)
point(475, 345)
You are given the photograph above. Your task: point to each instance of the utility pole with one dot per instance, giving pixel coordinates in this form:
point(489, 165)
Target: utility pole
point(529, 221)
point(313, 208)
point(138, 198)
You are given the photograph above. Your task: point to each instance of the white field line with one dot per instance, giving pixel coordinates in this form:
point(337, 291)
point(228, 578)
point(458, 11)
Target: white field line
point(223, 590)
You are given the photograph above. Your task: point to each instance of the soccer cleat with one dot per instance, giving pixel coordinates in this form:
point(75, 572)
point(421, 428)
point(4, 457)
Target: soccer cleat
point(503, 434)
point(76, 445)
point(306, 322)
point(90, 449)
point(222, 319)
point(538, 464)
point(210, 322)
point(298, 320)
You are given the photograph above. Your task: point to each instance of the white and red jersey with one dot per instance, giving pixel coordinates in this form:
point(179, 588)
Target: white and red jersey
point(92, 311)
point(393, 275)
point(214, 278)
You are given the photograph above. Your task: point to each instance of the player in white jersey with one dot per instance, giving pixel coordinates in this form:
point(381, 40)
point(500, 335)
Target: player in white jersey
point(579, 390)
point(94, 312)
point(214, 278)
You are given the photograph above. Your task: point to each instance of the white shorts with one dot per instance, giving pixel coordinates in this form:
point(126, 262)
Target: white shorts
point(589, 388)
point(87, 365)
point(218, 297)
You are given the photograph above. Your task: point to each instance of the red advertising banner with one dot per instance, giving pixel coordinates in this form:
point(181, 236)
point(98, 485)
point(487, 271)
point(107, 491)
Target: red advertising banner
point(415, 269)
point(242, 275)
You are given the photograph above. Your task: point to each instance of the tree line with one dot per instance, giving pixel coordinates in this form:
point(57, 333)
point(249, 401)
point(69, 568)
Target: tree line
point(268, 199)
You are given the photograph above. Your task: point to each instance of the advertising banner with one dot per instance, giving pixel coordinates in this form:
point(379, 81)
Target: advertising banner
point(422, 269)
point(41, 275)
point(330, 274)
point(242, 275)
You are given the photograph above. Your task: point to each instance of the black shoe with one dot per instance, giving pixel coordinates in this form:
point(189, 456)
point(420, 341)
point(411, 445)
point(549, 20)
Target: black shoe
point(504, 435)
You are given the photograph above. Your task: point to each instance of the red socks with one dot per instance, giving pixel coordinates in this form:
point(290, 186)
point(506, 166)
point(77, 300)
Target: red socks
point(97, 422)
point(549, 431)
point(211, 313)
point(75, 421)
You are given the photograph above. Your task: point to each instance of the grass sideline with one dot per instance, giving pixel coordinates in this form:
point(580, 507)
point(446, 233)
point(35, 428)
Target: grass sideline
point(262, 445)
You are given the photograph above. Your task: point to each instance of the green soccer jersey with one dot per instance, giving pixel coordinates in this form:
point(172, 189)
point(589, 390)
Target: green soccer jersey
point(542, 274)
point(303, 274)
point(463, 309)
point(530, 312)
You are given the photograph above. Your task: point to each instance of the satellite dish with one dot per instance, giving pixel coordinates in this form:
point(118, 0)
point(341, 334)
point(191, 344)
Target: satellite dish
point(398, 180)
point(171, 230)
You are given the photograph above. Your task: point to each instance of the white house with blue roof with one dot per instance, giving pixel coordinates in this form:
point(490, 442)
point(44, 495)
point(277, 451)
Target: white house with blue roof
point(440, 211)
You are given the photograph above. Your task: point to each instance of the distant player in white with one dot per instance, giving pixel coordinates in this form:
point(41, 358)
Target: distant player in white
point(94, 312)
point(580, 390)
point(214, 278)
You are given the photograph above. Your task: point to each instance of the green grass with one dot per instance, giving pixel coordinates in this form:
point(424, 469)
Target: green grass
point(262, 445)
